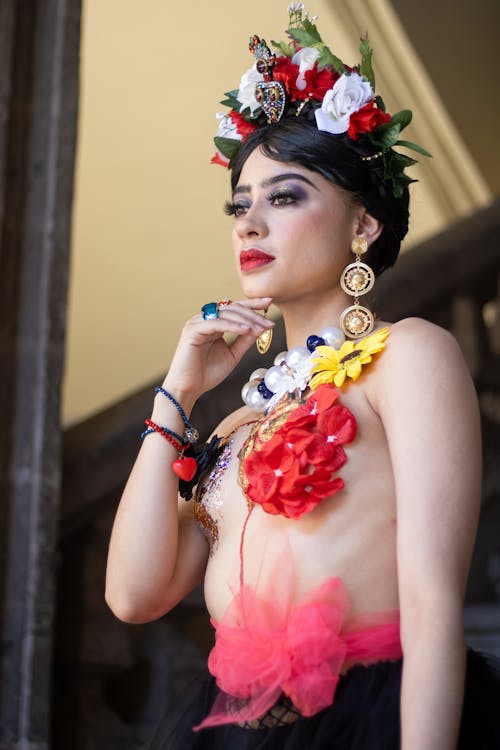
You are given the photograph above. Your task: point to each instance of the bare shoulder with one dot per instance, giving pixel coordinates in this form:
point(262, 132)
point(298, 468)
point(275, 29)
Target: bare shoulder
point(415, 344)
point(411, 333)
point(424, 358)
point(234, 420)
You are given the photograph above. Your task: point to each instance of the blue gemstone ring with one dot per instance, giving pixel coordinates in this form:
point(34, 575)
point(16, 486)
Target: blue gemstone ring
point(210, 311)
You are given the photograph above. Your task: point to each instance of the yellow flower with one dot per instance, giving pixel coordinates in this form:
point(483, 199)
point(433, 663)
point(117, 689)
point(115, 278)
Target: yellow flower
point(334, 365)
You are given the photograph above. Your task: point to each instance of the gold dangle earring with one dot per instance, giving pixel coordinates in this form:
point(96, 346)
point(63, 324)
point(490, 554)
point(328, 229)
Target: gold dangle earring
point(263, 341)
point(357, 279)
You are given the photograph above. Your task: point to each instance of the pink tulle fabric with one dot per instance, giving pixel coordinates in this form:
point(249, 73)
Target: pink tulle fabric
point(266, 646)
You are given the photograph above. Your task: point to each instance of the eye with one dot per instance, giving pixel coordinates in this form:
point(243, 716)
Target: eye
point(231, 208)
point(283, 197)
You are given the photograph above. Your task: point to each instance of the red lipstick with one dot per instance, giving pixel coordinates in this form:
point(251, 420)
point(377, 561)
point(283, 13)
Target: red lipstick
point(254, 258)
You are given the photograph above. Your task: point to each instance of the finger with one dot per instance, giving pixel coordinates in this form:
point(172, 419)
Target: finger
point(255, 303)
point(238, 313)
point(251, 313)
point(201, 331)
point(246, 306)
point(241, 345)
point(243, 315)
point(205, 324)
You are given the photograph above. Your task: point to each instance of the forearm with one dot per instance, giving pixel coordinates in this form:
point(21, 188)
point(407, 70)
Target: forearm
point(433, 683)
point(156, 553)
point(144, 541)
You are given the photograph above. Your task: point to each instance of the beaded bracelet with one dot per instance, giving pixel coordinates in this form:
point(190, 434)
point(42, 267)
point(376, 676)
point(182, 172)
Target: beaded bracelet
point(191, 433)
point(157, 428)
point(173, 437)
point(184, 467)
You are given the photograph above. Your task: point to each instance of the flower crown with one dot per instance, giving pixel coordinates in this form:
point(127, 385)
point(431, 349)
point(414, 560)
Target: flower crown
point(303, 77)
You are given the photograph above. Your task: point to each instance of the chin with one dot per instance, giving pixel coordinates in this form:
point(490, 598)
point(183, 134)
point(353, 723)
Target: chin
point(253, 287)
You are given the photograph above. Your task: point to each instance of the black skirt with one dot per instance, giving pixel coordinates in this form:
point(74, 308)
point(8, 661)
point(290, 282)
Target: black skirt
point(364, 716)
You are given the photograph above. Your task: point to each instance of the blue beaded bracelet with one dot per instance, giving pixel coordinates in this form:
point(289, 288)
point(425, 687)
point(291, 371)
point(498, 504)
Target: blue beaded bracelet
point(191, 433)
point(173, 434)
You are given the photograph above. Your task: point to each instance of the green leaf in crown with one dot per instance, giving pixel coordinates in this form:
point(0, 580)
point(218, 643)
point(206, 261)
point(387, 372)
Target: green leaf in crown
point(286, 50)
point(365, 68)
point(328, 58)
point(414, 147)
point(227, 146)
point(403, 118)
point(231, 100)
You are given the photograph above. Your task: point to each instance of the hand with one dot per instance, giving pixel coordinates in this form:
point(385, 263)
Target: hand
point(203, 358)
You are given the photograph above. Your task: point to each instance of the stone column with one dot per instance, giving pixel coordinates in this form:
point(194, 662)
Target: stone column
point(39, 57)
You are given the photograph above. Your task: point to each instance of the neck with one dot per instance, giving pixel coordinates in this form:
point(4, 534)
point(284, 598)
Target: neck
point(303, 317)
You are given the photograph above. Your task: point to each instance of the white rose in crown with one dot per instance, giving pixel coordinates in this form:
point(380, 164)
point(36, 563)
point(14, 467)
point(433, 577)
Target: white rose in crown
point(348, 95)
point(246, 92)
point(306, 59)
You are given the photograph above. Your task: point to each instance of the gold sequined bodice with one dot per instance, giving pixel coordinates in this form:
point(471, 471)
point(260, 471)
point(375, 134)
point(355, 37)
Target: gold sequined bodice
point(208, 499)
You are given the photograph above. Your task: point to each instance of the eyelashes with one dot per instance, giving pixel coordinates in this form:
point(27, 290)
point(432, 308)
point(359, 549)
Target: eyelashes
point(282, 197)
point(233, 209)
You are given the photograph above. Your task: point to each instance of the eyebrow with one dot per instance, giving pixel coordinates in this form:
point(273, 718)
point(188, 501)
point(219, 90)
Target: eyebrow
point(273, 181)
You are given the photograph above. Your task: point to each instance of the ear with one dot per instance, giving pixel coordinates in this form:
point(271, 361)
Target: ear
point(368, 226)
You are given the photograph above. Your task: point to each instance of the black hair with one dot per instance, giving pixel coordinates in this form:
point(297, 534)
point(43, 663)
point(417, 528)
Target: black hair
point(339, 160)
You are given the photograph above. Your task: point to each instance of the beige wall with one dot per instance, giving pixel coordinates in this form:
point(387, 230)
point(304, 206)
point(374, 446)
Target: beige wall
point(150, 241)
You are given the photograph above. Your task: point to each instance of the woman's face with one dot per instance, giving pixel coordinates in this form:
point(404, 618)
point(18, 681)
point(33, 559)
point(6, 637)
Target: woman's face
point(293, 230)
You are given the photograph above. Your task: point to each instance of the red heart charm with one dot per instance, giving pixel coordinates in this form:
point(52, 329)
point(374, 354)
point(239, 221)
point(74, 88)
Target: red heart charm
point(185, 468)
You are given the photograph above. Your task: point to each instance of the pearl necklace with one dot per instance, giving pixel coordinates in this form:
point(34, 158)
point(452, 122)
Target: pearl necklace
point(290, 372)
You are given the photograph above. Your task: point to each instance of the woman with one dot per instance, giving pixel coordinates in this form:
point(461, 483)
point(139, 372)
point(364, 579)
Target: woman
point(341, 510)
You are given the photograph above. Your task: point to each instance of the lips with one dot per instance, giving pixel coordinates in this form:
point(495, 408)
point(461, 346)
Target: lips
point(254, 258)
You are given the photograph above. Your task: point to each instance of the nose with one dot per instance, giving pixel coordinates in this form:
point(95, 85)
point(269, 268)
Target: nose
point(252, 223)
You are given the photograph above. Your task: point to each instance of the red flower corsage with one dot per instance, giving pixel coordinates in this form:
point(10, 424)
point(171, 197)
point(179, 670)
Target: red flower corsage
point(366, 119)
point(291, 472)
point(317, 81)
point(286, 73)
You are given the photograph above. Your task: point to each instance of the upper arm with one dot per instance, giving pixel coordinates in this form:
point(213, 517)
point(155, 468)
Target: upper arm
point(428, 406)
point(191, 560)
point(192, 546)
